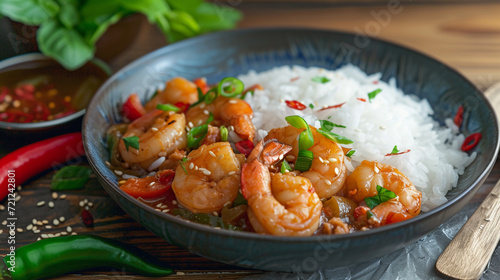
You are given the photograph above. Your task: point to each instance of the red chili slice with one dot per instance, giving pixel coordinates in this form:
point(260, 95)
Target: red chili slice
point(294, 104)
point(182, 106)
point(471, 141)
point(459, 117)
point(400, 153)
point(294, 79)
point(332, 107)
point(245, 147)
point(87, 218)
point(361, 99)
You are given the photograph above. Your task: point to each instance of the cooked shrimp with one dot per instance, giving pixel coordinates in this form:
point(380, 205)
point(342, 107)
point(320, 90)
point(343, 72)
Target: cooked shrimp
point(231, 112)
point(328, 171)
point(176, 90)
point(160, 134)
point(212, 179)
point(363, 183)
point(279, 204)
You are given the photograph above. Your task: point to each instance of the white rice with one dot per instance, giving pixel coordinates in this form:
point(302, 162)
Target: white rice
point(391, 118)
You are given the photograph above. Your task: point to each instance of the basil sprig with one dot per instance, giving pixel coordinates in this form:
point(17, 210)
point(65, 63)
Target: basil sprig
point(382, 196)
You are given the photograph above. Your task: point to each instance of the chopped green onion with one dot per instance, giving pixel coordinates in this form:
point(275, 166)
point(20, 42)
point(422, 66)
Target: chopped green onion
point(201, 97)
point(167, 107)
point(181, 163)
point(210, 118)
point(306, 139)
point(211, 95)
point(285, 167)
point(311, 106)
point(132, 141)
point(239, 200)
point(223, 133)
point(230, 87)
point(328, 125)
point(335, 137)
point(196, 135)
point(372, 94)
point(350, 153)
point(382, 196)
point(304, 160)
point(395, 150)
point(320, 80)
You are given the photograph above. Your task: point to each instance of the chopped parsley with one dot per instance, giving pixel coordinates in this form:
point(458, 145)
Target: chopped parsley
point(382, 196)
point(321, 80)
point(395, 150)
point(311, 106)
point(372, 94)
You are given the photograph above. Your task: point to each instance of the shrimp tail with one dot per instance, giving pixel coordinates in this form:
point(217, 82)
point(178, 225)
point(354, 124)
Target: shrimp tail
point(269, 152)
point(254, 174)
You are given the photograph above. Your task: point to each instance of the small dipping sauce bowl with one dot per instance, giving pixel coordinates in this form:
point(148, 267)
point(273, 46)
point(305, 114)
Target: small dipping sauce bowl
point(39, 98)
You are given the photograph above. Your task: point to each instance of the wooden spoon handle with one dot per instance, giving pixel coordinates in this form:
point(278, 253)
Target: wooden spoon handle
point(470, 250)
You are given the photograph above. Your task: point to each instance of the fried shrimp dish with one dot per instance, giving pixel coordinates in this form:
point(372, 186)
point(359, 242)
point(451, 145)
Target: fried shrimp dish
point(193, 150)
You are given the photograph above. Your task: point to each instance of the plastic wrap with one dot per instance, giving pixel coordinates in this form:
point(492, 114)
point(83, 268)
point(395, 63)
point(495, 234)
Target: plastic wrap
point(416, 261)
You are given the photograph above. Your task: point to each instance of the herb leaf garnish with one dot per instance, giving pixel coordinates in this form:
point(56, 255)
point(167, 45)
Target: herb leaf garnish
point(132, 141)
point(321, 80)
point(383, 195)
point(372, 94)
point(328, 125)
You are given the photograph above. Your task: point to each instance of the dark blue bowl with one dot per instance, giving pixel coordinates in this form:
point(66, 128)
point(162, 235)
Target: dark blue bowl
point(236, 52)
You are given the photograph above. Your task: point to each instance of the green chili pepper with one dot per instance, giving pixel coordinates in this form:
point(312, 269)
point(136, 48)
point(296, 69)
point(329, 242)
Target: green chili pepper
point(56, 256)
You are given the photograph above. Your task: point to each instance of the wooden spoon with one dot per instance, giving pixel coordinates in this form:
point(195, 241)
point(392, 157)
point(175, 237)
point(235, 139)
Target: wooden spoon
point(468, 254)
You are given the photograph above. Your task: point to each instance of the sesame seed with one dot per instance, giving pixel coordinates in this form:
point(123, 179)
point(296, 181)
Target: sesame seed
point(159, 205)
point(159, 210)
point(51, 204)
point(29, 227)
point(36, 231)
point(107, 163)
point(86, 207)
point(382, 127)
point(219, 157)
point(38, 239)
point(162, 154)
point(231, 173)
point(118, 172)
point(74, 233)
point(39, 223)
point(320, 159)
point(44, 235)
point(233, 101)
point(1, 231)
point(19, 188)
point(154, 129)
point(69, 229)
point(54, 195)
point(190, 124)
point(51, 235)
point(63, 196)
point(62, 219)
point(34, 228)
point(20, 230)
point(152, 183)
point(48, 227)
point(2, 207)
point(55, 222)
point(376, 169)
point(290, 158)
point(33, 221)
point(90, 204)
point(163, 206)
point(215, 214)
point(231, 128)
point(202, 106)
point(337, 171)
point(165, 211)
point(206, 172)
point(206, 112)
point(174, 202)
point(212, 154)
point(328, 182)
point(332, 160)
point(18, 197)
point(195, 167)
point(40, 203)
point(81, 203)
point(281, 157)
point(45, 222)
point(64, 233)
point(180, 273)
point(122, 182)
point(57, 234)
point(4, 222)
point(191, 165)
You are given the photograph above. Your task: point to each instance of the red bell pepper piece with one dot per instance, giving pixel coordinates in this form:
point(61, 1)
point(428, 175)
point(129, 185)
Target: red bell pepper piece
point(132, 108)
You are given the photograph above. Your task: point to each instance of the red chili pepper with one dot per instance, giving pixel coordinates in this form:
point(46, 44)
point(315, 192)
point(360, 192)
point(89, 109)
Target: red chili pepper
point(375, 82)
point(332, 107)
point(400, 153)
point(26, 92)
point(361, 99)
point(245, 147)
point(87, 218)
point(360, 211)
point(132, 108)
point(182, 106)
point(202, 84)
point(294, 104)
point(294, 79)
point(167, 177)
point(471, 141)
point(459, 117)
point(30, 160)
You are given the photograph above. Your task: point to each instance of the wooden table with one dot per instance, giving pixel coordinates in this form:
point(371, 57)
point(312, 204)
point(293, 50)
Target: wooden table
point(464, 36)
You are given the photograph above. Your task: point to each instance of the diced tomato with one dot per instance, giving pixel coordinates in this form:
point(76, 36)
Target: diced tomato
point(294, 104)
point(202, 84)
point(132, 108)
point(182, 106)
point(245, 147)
point(149, 187)
point(393, 217)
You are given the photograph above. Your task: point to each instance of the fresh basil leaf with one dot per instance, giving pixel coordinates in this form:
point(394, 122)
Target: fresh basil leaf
point(152, 9)
point(183, 23)
point(96, 27)
point(71, 178)
point(212, 17)
point(65, 45)
point(132, 141)
point(93, 9)
point(321, 80)
point(372, 94)
point(335, 137)
point(189, 6)
point(68, 14)
point(30, 12)
point(382, 196)
point(205, 219)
